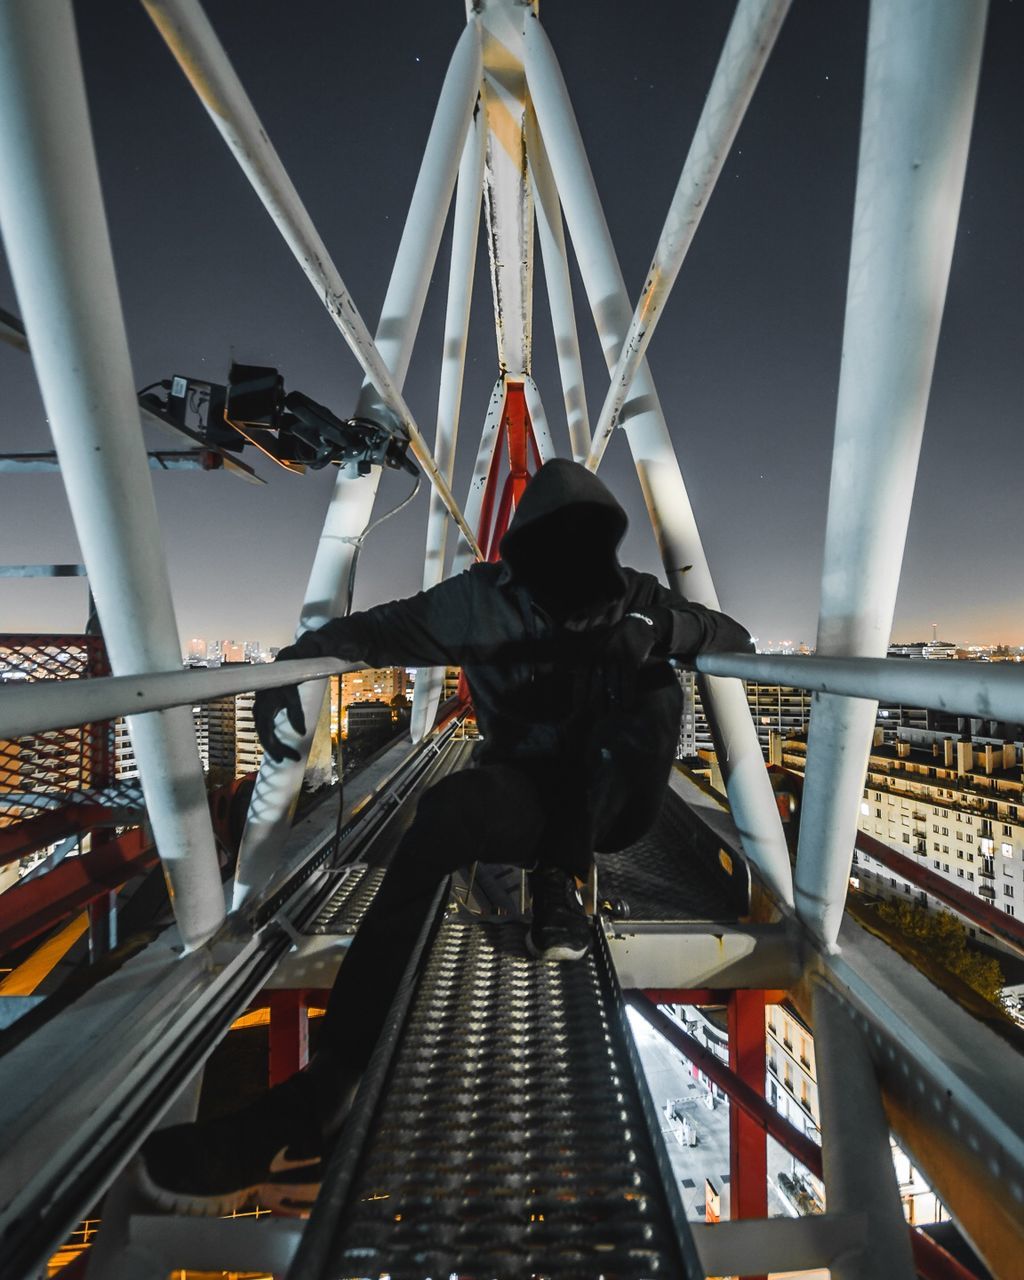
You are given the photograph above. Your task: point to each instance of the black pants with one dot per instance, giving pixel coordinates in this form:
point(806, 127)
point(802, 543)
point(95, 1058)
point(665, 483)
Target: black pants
point(493, 813)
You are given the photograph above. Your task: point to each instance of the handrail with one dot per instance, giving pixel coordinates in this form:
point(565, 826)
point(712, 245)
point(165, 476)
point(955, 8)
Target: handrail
point(994, 691)
point(35, 706)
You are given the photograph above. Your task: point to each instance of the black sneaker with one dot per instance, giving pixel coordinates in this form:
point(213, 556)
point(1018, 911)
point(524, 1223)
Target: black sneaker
point(560, 928)
point(270, 1152)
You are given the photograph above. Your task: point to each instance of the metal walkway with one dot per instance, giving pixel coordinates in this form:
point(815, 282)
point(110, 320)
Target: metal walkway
point(511, 1138)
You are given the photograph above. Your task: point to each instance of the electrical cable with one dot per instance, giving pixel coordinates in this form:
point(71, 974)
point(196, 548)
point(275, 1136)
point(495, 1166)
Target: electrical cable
point(357, 543)
point(164, 383)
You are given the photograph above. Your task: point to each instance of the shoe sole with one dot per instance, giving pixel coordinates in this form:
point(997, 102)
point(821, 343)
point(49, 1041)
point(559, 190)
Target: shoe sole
point(294, 1201)
point(563, 952)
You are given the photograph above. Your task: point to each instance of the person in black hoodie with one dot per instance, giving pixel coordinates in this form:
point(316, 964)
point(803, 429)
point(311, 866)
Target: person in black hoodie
point(566, 655)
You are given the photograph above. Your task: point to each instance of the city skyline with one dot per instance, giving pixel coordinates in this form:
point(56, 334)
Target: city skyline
point(746, 359)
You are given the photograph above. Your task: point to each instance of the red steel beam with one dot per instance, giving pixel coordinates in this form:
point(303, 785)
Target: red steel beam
point(30, 908)
point(289, 1033)
point(748, 1139)
point(702, 995)
point(741, 1093)
point(24, 838)
point(933, 1262)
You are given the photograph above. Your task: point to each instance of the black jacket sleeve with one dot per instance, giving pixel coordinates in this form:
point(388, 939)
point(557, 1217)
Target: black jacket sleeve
point(433, 628)
point(686, 629)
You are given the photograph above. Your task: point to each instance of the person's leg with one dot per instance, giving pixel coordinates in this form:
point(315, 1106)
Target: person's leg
point(274, 1149)
point(494, 814)
point(560, 929)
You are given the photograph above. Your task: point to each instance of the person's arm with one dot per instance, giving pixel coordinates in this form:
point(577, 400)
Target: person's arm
point(660, 623)
point(429, 629)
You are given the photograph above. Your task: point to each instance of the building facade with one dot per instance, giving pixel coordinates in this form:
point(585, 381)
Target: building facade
point(792, 1088)
point(953, 805)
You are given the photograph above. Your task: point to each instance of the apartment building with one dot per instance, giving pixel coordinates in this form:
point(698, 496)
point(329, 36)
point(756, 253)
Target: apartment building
point(777, 709)
point(952, 804)
point(792, 1088)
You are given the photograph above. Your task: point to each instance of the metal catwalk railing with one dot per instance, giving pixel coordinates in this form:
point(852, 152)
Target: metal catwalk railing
point(505, 125)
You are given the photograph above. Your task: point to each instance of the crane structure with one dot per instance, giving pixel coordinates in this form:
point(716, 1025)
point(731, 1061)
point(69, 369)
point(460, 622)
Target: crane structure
point(404, 1195)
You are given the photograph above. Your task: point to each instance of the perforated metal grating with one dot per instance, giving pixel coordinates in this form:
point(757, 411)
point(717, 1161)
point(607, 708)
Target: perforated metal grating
point(510, 1140)
point(347, 905)
point(40, 773)
point(672, 873)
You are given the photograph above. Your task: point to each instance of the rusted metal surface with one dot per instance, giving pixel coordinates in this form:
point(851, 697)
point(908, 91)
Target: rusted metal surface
point(508, 196)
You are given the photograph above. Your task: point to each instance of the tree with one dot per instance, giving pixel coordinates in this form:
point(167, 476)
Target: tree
point(941, 937)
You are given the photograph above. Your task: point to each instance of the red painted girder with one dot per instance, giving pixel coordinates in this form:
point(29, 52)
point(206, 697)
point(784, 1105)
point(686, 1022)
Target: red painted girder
point(932, 1262)
point(748, 1140)
point(30, 908)
point(24, 838)
point(289, 1033)
point(702, 995)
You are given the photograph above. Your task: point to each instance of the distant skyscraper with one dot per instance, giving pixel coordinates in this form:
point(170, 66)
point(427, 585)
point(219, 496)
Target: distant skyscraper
point(196, 650)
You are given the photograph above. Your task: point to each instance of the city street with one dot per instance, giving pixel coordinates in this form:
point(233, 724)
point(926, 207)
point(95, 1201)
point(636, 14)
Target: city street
point(669, 1076)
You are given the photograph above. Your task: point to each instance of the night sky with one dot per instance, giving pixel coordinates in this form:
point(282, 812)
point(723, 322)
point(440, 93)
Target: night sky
point(746, 358)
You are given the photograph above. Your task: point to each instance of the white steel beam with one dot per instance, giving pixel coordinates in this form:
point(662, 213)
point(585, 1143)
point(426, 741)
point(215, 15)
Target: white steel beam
point(54, 226)
point(190, 37)
point(39, 706)
point(465, 234)
point(751, 38)
point(559, 290)
point(538, 420)
point(951, 1084)
point(860, 1177)
point(686, 566)
point(993, 691)
point(666, 954)
point(508, 199)
point(920, 86)
point(758, 1246)
point(484, 459)
point(277, 785)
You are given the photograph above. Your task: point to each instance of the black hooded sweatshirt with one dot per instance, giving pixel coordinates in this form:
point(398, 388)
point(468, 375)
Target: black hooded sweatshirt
point(531, 633)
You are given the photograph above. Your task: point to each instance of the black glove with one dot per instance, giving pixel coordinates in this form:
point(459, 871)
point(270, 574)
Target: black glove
point(268, 702)
point(335, 639)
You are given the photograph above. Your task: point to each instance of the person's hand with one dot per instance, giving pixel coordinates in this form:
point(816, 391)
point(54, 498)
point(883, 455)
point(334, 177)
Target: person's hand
point(696, 629)
point(268, 702)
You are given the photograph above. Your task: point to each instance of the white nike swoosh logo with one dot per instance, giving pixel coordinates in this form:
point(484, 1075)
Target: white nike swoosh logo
point(281, 1163)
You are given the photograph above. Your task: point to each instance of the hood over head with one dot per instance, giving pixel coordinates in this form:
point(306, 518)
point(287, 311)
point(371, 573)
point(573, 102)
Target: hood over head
point(563, 541)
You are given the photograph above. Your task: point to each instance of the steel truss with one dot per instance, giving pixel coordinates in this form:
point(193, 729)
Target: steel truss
point(504, 138)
